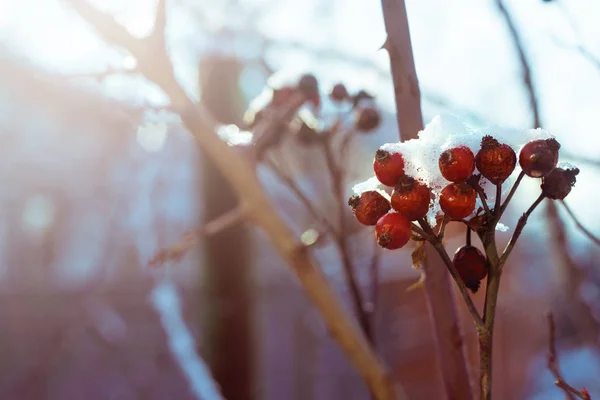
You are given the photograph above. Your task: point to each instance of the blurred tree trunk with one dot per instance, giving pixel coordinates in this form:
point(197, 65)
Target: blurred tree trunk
point(227, 297)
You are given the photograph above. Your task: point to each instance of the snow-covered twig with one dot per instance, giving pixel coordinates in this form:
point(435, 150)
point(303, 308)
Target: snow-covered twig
point(167, 304)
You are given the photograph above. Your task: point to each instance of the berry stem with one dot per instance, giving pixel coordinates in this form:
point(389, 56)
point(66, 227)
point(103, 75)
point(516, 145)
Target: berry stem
point(468, 235)
point(482, 196)
point(583, 229)
point(511, 193)
point(519, 229)
point(443, 225)
point(498, 202)
point(439, 248)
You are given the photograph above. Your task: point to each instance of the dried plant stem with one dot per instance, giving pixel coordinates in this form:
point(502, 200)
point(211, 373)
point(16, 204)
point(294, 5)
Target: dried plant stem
point(337, 181)
point(442, 309)
point(583, 229)
point(570, 391)
point(511, 193)
point(154, 63)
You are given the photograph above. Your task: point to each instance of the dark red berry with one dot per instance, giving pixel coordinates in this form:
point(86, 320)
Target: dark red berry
point(558, 183)
point(368, 119)
point(392, 231)
point(339, 92)
point(369, 207)
point(457, 200)
point(388, 167)
point(495, 161)
point(539, 157)
point(457, 164)
point(471, 265)
point(411, 198)
point(309, 85)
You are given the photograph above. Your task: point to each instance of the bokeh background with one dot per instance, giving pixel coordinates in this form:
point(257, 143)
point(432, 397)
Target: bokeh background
point(98, 175)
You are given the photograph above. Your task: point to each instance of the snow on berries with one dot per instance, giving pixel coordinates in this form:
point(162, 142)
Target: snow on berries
point(431, 175)
point(369, 206)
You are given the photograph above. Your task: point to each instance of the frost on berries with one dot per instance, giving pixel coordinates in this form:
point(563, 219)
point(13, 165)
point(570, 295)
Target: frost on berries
point(421, 156)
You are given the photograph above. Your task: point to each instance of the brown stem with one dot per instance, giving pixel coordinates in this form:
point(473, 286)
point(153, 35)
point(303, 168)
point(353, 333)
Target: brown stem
point(511, 193)
point(468, 235)
point(583, 229)
point(498, 201)
point(520, 225)
point(442, 309)
point(570, 391)
point(439, 248)
point(337, 180)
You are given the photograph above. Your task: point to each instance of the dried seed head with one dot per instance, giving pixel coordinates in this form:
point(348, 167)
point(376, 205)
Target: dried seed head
point(558, 183)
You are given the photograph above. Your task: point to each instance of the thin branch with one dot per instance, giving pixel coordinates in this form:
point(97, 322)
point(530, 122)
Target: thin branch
point(308, 204)
point(443, 225)
point(511, 193)
point(570, 391)
point(242, 176)
point(583, 229)
point(525, 64)
point(177, 251)
point(520, 225)
point(498, 201)
point(337, 180)
point(459, 282)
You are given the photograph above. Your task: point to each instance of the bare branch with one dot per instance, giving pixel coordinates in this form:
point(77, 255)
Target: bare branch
point(569, 390)
point(511, 193)
point(525, 64)
point(583, 229)
point(520, 225)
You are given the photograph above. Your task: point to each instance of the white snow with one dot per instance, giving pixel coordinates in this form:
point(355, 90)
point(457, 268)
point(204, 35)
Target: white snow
point(444, 132)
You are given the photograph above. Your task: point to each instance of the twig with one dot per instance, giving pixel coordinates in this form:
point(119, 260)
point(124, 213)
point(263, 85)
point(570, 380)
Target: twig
point(569, 390)
point(498, 201)
point(583, 229)
point(310, 207)
point(155, 65)
point(520, 225)
point(178, 250)
point(511, 193)
point(374, 298)
point(337, 180)
point(525, 64)
point(459, 282)
point(442, 309)
point(442, 231)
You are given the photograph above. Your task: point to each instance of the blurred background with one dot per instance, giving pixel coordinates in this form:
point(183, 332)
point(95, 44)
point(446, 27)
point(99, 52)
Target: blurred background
point(98, 175)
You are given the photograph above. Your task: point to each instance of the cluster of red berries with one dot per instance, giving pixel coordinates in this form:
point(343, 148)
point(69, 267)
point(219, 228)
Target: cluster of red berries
point(410, 199)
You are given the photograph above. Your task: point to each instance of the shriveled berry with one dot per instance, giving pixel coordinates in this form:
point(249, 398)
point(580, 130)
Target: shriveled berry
point(411, 198)
point(388, 167)
point(471, 265)
point(309, 85)
point(495, 161)
point(457, 164)
point(369, 207)
point(368, 119)
point(539, 157)
point(457, 200)
point(558, 183)
point(392, 231)
point(339, 92)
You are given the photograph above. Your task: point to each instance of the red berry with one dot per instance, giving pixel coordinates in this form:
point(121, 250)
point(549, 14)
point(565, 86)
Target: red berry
point(368, 119)
point(457, 200)
point(369, 207)
point(393, 231)
point(539, 157)
point(339, 92)
point(411, 198)
point(471, 265)
point(457, 164)
point(495, 161)
point(388, 167)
